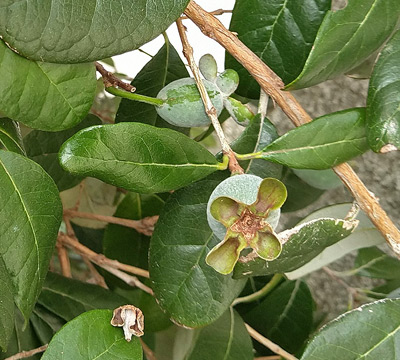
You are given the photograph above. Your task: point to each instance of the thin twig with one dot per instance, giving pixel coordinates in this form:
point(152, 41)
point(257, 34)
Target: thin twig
point(269, 344)
point(209, 108)
point(63, 258)
point(129, 279)
point(272, 85)
point(144, 226)
point(25, 354)
point(98, 279)
point(110, 80)
point(100, 259)
point(272, 357)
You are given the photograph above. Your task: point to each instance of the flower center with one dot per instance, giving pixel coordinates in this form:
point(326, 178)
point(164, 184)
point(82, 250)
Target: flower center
point(248, 224)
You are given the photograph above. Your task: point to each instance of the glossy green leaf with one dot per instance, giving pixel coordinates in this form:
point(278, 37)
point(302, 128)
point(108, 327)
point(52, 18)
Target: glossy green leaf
point(80, 31)
point(30, 217)
point(68, 298)
point(346, 38)
point(44, 96)
point(275, 30)
point(364, 235)
point(45, 323)
point(10, 136)
point(372, 262)
point(23, 338)
point(323, 143)
point(42, 147)
point(6, 306)
point(192, 292)
point(300, 194)
point(256, 136)
point(300, 245)
point(369, 332)
point(320, 179)
point(285, 316)
point(383, 103)
point(137, 157)
point(90, 336)
point(226, 338)
point(166, 66)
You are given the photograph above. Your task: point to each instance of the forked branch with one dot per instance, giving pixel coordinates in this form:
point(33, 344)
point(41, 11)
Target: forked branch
point(272, 85)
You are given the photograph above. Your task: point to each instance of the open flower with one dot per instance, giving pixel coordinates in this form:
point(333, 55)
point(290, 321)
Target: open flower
point(247, 226)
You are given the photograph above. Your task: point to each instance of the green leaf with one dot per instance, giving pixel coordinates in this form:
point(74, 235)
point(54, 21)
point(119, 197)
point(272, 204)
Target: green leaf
point(300, 245)
point(166, 66)
point(226, 338)
point(364, 235)
point(137, 157)
point(285, 316)
point(6, 306)
point(10, 136)
point(275, 30)
point(383, 103)
point(300, 194)
point(346, 38)
point(68, 298)
point(91, 336)
point(374, 263)
point(320, 179)
point(44, 96)
point(323, 143)
point(30, 217)
point(192, 292)
point(23, 338)
point(80, 31)
point(42, 147)
point(45, 323)
point(369, 332)
point(256, 136)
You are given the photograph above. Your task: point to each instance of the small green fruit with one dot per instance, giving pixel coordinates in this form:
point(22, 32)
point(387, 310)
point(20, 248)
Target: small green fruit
point(248, 208)
point(183, 105)
point(228, 81)
point(242, 188)
point(208, 67)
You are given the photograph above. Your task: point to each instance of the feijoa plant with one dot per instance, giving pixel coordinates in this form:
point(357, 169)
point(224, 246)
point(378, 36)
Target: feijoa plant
point(111, 202)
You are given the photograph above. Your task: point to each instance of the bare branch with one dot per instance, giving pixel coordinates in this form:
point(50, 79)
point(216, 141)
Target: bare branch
point(110, 80)
point(99, 259)
point(208, 105)
point(63, 258)
point(25, 354)
point(144, 226)
point(272, 85)
point(269, 344)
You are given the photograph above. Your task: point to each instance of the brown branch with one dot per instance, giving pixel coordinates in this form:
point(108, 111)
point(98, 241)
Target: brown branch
point(214, 12)
point(99, 259)
point(98, 279)
point(144, 226)
point(25, 354)
point(110, 80)
point(272, 85)
point(269, 344)
point(209, 108)
point(63, 258)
